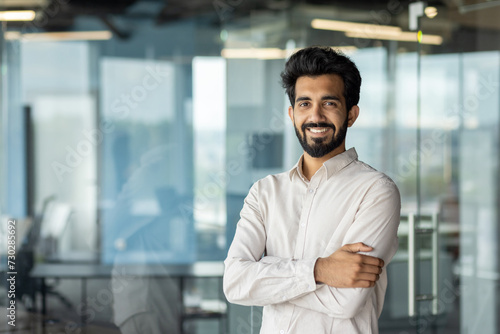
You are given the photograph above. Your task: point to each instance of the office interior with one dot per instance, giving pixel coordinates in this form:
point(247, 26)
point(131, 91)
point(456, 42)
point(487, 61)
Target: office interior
point(132, 130)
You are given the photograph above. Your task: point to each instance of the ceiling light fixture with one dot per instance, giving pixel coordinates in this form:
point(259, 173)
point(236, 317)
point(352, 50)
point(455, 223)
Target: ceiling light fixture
point(17, 15)
point(375, 31)
point(403, 36)
point(430, 12)
point(353, 27)
point(99, 35)
point(273, 53)
point(11, 35)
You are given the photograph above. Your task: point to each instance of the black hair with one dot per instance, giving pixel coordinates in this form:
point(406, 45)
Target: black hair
point(316, 60)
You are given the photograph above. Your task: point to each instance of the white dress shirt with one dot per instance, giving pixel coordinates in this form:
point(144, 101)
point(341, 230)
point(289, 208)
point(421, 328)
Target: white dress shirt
point(287, 222)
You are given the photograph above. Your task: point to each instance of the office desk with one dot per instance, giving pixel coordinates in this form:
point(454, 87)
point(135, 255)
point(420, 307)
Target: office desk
point(88, 271)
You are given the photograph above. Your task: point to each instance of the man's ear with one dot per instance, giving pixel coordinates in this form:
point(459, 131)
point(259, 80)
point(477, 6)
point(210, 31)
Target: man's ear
point(290, 113)
point(353, 115)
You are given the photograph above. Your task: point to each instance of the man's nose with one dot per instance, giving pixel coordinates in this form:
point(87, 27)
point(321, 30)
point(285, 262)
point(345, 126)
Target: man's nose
point(317, 114)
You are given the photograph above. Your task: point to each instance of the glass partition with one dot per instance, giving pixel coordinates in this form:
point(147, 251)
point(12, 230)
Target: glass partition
point(479, 156)
point(143, 192)
point(126, 160)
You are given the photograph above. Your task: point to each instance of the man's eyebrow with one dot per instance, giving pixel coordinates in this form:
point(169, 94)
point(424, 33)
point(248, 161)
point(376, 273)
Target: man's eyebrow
point(326, 97)
point(302, 98)
point(331, 97)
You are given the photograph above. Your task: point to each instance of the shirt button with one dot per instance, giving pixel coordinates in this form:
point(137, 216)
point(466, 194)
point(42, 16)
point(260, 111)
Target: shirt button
point(303, 224)
point(311, 191)
point(282, 332)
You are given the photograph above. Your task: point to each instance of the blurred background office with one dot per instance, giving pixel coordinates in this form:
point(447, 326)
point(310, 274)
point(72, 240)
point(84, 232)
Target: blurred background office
point(132, 130)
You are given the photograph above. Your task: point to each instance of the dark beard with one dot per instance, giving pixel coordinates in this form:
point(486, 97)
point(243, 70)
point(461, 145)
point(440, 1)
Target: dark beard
point(319, 148)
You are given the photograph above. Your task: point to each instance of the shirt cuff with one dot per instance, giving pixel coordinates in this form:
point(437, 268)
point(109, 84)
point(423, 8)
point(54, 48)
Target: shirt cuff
point(304, 275)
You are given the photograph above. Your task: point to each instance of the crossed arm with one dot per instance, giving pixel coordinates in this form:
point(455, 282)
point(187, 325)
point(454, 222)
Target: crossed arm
point(318, 284)
point(346, 269)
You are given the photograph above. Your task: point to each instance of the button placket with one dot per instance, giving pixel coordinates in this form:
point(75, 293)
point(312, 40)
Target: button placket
point(304, 216)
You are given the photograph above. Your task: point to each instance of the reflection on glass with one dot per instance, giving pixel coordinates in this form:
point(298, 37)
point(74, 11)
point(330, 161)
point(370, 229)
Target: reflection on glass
point(479, 191)
point(144, 227)
point(210, 173)
point(143, 196)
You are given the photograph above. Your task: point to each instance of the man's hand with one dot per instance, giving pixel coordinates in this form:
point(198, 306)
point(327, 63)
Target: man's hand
point(347, 269)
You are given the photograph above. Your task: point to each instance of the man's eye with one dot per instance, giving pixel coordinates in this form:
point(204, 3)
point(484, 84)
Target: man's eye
point(333, 104)
point(303, 104)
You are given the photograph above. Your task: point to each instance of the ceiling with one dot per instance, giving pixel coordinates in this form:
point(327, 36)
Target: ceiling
point(60, 15)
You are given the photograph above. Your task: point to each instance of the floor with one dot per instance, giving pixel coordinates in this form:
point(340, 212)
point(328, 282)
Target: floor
point(34, 323)
point(62, 319)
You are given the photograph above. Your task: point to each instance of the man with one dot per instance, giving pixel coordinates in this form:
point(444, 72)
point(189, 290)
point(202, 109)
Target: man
point(301, 246)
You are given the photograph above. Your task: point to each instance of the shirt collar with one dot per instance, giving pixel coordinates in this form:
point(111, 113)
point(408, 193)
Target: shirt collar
point(297, 169)
point(333, 165)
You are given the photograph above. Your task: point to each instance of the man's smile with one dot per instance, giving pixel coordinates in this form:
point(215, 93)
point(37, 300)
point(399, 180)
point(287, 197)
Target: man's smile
point(318, 130)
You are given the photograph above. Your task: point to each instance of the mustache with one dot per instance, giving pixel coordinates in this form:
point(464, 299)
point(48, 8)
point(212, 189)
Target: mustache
point(317, 125)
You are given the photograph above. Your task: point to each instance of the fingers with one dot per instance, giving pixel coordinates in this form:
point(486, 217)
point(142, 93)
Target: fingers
point(370, 269)
point(364, 281)
point(371, 260)
point(367, 281)
point(368, 277)
point(361, 247)
point(357, 247)
point(363, 284)
point(347, 268)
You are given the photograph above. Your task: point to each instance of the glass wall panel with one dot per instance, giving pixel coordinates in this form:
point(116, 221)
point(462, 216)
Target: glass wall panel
point(126, 160)
point(370, 135)
point(479, 191)
point(143, 190)
point(14, 168)
point(63, 117)
point(211, 175)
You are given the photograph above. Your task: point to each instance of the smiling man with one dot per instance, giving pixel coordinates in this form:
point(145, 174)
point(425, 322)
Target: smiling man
point(312, 243)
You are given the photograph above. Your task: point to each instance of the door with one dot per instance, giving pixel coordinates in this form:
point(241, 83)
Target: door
point(444, 278)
